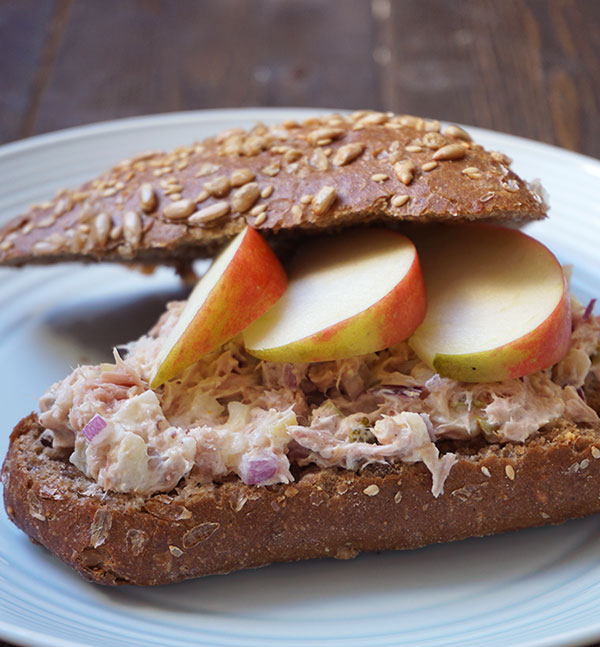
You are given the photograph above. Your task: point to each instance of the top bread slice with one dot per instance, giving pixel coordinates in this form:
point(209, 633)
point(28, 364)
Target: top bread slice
point(322, 174)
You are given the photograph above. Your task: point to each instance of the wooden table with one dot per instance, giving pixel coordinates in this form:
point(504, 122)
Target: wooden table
point(526, 67)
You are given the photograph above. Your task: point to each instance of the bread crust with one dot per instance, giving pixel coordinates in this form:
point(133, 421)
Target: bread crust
point(323, 174)
point(217, 528)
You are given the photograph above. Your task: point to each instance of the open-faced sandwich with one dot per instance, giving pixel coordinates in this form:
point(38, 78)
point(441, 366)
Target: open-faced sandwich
point(374, 361)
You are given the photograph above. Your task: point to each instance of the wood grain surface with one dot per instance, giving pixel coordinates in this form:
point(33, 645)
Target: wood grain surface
point(526, 67)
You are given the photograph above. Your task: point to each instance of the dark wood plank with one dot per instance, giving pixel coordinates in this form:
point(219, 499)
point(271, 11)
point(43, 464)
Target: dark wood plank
point(133, 57)
point(528, 67)
point(25, 34)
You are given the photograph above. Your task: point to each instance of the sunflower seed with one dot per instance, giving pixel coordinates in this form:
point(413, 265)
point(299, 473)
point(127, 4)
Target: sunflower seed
point(241, 176)
point(260, 219)
point(36, 507)
point(245, 197)
point(371, 490)
point(267, 191)
point(373, 119)
point(179, 210)
point(292, 155)
point(101, 227)
point(76, 240)
point(272, 169)
point(510, 185)
point(49, 245)
point(200, 533)
point(500, 157)
point(405, 171)
point(457, 131)
point(100, 527)
point(147, 197)
point(348, 153)
point(380, 177)
point(429, 166)
point(207, 169)
point(399, 200)
point(434, 140)
point(132, 228)
point(432, 125)
point(254, 145)
point(510, 472)
point(48, 221)
point(208, 214)
point(319, 161)
point(296, 212)
point(413, 122)
point(472, 172)
point(136, 541)
point(450, 152)
point(323, 199)
point(230, 132)
point(219, 186)
point(316, 137)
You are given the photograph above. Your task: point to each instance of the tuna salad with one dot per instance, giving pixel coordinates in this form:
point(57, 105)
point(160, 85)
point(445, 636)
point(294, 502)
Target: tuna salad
point(231, 414)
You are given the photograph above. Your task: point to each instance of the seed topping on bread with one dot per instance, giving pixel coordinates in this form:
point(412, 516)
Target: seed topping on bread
point(358, 168)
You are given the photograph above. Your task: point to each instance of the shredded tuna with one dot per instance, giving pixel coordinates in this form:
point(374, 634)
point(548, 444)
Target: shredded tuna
point(232, 414)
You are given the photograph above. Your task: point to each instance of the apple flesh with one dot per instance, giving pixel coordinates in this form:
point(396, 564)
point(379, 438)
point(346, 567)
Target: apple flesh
point(241, 285)
point(498, 304)
point(348, 295)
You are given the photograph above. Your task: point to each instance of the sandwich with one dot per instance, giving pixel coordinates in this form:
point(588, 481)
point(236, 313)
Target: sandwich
point(377, 359)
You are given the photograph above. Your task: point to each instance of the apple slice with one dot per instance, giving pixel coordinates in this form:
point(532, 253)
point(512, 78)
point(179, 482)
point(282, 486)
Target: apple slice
point(498, 305)
point(241, 285)
point(348, 295)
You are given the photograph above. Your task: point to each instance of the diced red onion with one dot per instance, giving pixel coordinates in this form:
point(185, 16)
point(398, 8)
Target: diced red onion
point(588, 311)
point(257, 470)
point(94, 427)
point(406, 391)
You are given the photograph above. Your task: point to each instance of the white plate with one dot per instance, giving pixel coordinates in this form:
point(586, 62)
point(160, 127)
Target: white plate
point(535, 587)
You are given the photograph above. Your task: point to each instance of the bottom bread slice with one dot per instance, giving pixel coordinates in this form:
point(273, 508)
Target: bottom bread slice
point(198, 530)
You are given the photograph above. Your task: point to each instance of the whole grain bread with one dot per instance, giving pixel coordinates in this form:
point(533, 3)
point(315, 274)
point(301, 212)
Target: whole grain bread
point(198, 530)
point(325, 173)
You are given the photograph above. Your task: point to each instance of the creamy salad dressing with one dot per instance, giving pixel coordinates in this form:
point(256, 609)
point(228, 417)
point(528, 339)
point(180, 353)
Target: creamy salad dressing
point(232, 414)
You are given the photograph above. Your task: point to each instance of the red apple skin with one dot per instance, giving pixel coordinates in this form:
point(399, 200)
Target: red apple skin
point(520, 357)
point(538, 349)
point(252, 282)
point(375, 328)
